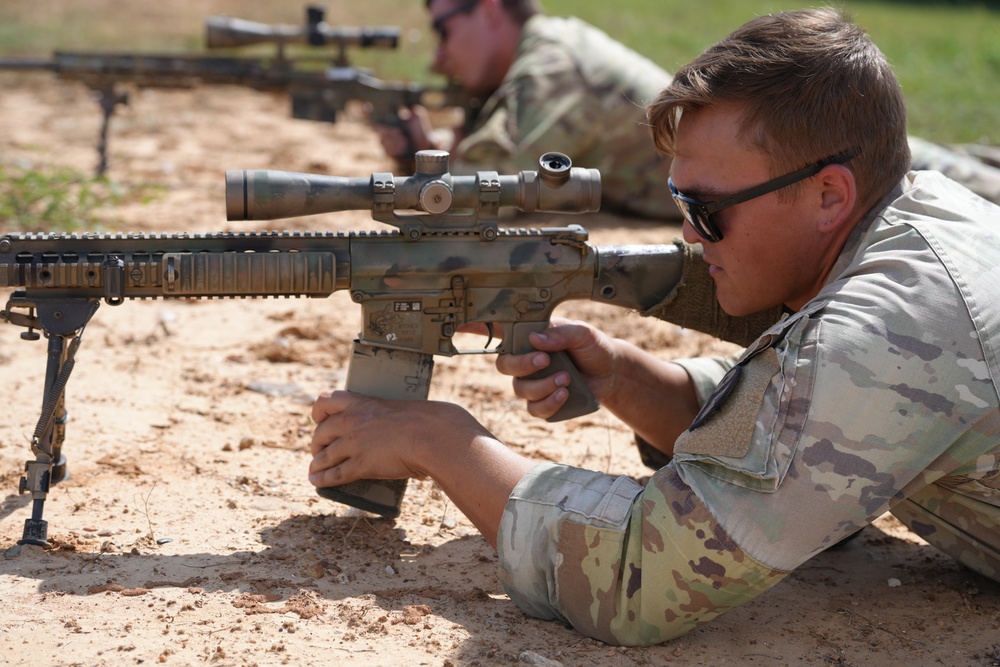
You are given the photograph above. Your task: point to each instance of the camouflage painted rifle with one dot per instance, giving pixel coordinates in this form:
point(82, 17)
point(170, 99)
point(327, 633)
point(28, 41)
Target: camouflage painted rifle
point(320, 88)
point(447, 265)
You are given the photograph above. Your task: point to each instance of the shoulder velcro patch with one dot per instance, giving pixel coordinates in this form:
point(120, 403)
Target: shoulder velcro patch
point(718, 397)
point(725, 424)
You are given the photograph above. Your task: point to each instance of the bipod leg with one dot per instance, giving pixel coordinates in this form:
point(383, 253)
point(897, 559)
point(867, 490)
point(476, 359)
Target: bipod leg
point(109, 99)
point(49, 466)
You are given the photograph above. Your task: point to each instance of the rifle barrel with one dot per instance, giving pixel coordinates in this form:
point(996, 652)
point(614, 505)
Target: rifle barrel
point(25, 63)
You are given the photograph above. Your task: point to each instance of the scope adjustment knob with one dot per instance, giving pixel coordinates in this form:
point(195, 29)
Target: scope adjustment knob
point(436, 197)
point(431, 162)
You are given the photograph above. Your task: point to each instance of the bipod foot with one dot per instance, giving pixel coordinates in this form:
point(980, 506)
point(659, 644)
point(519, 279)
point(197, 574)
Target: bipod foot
point(40, 476)
point(36, 531)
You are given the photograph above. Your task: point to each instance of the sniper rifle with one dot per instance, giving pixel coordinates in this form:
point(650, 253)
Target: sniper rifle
point(318, 90)
point(447, 263)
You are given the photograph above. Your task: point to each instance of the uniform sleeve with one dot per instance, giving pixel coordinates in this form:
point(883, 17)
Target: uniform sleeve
point(705, 374)
point(618, 562)
point(541, 108)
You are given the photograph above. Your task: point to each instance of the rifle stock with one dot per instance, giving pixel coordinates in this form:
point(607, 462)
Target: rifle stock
point(446, 264)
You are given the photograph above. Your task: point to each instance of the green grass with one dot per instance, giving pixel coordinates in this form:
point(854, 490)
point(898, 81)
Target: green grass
point(946, 54)
point(948, 61)
point(36, 199)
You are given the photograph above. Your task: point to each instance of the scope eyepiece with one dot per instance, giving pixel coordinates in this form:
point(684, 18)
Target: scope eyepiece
point(554, 168)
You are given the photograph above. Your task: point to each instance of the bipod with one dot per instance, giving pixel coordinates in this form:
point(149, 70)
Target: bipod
point(63, 324)
point(109, 98)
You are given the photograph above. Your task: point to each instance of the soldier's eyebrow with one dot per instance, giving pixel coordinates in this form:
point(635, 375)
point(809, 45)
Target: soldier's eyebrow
point(710, 192)
point(702, 191)
point(698, 190)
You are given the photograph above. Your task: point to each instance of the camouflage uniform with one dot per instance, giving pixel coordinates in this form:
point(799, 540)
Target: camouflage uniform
point(973, 166)
point(879, 394)
point(575, 90)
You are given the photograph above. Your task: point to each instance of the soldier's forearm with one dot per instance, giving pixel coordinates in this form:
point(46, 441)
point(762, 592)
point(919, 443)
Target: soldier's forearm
point(478, 478)
point(656, 399)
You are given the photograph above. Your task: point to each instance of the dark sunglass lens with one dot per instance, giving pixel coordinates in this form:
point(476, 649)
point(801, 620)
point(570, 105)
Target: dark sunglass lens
point(702, 223)
point(695, 214)
point(684, 208)
point(705, 232)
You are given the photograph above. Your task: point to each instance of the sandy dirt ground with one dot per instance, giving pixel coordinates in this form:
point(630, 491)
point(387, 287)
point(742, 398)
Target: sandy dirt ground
point(188, 533)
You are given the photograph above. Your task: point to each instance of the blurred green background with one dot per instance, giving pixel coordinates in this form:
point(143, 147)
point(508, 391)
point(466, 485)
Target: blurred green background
point(946, 54)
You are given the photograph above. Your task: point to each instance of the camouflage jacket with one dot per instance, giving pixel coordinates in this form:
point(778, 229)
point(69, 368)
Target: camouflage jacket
point(575, 90)
point(879, 394)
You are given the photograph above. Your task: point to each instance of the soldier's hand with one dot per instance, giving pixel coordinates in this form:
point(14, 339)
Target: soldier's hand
point(394, 141)
point(414, 133)
point(358, 437)
point(592, 352)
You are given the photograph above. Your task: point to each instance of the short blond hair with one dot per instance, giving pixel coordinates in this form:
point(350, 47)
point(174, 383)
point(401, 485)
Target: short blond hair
point(811, 84)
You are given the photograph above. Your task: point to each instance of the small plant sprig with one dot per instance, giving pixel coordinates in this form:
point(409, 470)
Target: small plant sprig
point(58, 198)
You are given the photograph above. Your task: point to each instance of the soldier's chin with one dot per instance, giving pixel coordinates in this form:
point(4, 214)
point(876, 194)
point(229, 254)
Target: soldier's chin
point(733, 305)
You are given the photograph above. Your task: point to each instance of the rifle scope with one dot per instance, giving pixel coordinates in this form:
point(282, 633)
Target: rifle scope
point(222, 32)
point(556, 187)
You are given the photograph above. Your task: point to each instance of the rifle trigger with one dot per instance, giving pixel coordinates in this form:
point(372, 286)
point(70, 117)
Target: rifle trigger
point(489, 329)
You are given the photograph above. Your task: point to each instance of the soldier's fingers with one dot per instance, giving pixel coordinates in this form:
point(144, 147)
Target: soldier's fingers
point(521, 365)
point(328, 412)
point(326, 432)
point(418, 128)
point(548, 406)
point(331, 403)
point(330, 455)
point(419, 114)
point(541, 389)
point(332, 470)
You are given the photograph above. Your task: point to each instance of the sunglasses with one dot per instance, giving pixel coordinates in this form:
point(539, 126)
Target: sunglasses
point(439, 24)
point(699, 213)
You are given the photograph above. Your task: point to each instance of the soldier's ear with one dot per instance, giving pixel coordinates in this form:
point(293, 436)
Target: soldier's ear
point(837, 197)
